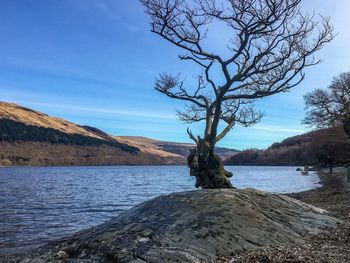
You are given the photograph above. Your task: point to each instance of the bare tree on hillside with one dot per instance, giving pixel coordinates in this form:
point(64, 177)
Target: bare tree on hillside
point(272, 41)
point(331, 106)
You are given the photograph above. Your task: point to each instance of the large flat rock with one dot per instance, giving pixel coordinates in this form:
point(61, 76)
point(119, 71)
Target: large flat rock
point(190, 227)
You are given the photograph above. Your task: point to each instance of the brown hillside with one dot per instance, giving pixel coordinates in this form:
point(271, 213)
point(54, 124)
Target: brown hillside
point(44, 154)
point(168, 149)
point(28, 116)
point(146, 145)
point(29, 137)
point(311, 148)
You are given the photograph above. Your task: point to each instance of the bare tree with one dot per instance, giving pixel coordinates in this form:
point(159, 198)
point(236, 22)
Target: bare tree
point(331, 106)
point(272, 41)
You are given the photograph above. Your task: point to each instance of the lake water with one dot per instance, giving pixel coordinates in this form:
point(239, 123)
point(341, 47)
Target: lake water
point(40, 204)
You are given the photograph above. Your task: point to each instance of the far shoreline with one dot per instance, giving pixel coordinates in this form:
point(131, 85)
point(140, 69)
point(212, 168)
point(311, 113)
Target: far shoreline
point(113, 165)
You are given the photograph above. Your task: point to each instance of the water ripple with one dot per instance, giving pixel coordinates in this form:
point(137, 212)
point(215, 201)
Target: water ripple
point(44, 203)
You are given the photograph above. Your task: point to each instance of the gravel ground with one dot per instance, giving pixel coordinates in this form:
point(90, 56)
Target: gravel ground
point(333, 246)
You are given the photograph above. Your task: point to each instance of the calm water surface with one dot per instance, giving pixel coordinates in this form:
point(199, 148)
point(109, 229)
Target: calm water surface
point(44, 203)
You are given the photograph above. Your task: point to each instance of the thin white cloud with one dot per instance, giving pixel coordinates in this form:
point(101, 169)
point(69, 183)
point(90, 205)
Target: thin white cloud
point(111, 13)
point(130, 27)
point(106, 9)
point(278, 129)
point(134, 113)
point(148, 115)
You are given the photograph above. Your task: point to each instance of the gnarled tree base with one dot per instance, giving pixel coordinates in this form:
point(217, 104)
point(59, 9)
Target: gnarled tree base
point(210, 172)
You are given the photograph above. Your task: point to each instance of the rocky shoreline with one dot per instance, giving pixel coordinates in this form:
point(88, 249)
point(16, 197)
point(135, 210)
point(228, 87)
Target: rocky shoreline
point(217, 226)
point(329, 247)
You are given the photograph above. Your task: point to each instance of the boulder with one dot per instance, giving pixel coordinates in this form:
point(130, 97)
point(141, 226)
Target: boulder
point(5, 162)
point(190, 226)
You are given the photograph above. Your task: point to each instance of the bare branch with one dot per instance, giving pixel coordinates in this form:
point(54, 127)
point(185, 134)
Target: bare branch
point(331, 106)
point(272, 42)
point(225, 131)
point(191, 113)
point(172, 86)
point(191, 136)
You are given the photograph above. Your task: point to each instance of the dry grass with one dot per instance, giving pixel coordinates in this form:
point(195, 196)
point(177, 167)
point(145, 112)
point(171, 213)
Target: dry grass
point(27, 116)
point(146, 145)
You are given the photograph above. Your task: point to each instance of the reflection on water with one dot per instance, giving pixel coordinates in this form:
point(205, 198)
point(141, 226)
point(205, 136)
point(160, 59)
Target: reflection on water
point(44, 203)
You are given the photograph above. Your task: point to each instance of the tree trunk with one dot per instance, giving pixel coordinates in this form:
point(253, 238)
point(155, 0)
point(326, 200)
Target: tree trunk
point(208, 167)
point(346, 127)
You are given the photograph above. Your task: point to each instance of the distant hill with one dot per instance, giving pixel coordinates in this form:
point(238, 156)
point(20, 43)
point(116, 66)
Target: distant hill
point(29, 137)
point(310, 148)
point(179, 149)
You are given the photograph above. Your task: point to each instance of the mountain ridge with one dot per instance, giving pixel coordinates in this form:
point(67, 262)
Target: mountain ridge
point(30, 137)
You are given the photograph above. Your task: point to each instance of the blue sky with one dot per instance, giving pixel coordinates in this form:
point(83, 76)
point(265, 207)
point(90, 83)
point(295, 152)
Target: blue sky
point(94, 63)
